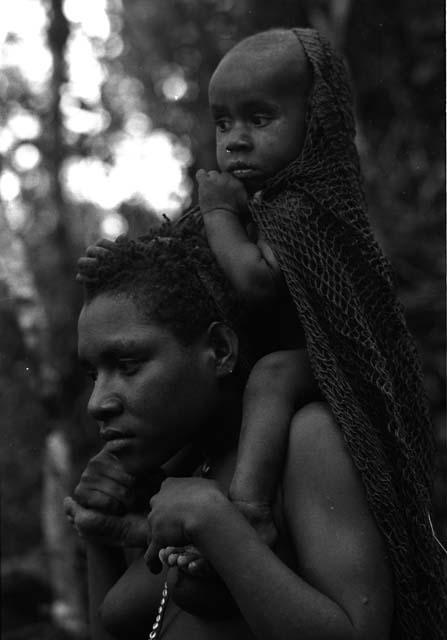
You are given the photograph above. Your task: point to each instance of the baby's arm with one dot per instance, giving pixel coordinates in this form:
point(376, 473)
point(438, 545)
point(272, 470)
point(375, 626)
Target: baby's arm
point(279, 384)
point(223, 203)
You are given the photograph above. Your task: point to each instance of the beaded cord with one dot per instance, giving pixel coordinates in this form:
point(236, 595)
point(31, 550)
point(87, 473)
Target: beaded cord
point(156, 627)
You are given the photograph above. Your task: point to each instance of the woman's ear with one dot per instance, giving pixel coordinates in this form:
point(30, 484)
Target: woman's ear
point(224, 344)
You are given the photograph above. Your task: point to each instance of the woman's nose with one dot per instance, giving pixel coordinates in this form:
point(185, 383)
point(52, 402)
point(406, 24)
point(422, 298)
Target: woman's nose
point(104, 403)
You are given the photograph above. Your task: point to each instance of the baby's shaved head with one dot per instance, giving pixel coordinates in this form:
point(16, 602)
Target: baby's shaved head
point(277, 51)
point(258, 98)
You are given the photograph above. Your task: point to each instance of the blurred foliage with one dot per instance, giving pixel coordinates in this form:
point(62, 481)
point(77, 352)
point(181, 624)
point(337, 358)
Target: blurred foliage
point(395, 52)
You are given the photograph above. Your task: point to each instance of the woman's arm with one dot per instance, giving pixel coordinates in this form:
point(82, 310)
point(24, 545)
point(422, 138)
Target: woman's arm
point(341, 588)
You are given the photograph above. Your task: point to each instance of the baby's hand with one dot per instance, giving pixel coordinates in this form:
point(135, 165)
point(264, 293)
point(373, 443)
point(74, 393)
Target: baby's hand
point(221, 191)
point(260, 516)
point(187, 559)
point(89, 262)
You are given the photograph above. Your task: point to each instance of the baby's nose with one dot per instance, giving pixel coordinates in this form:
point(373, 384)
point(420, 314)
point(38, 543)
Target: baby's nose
point(239, 140)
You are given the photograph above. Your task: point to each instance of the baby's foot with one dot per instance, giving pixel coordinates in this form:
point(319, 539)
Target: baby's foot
point(187, 559)
point(260, 516)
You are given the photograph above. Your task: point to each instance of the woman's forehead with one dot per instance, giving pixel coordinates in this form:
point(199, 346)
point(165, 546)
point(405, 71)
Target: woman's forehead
point(112, 320)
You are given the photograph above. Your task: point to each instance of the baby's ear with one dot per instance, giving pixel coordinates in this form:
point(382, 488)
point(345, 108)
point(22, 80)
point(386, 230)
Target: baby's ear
point(225, 347)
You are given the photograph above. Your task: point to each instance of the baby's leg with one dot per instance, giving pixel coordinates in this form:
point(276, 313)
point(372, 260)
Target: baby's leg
point(278, 385)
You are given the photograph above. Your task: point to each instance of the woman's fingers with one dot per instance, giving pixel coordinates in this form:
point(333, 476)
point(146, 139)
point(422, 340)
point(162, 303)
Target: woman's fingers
point(94, 498)
point(105, 486)
point(112, 530)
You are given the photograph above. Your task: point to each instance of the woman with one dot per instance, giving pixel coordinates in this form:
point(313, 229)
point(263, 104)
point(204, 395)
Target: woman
point(168, 350)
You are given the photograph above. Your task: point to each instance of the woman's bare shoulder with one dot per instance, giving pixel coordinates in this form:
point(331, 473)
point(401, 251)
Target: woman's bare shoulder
point(337, 544)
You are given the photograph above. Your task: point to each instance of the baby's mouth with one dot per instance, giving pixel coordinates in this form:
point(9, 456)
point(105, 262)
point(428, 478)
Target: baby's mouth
point(242, 171)
point(244, 174)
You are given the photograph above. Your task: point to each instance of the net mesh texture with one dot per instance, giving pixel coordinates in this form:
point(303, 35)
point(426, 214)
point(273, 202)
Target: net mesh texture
point(313, 215)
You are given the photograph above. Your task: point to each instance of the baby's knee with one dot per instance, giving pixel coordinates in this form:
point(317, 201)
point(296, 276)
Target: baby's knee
point(273, 369)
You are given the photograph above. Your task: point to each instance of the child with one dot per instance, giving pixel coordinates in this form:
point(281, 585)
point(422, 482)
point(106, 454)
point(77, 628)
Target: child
point(289, 208)
point(258, 99)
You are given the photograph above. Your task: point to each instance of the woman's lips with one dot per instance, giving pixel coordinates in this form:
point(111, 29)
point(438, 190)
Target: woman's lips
point(116, 439)
point(117, 444)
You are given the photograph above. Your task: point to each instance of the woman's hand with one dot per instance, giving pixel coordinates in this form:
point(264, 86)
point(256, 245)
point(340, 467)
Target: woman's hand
point(105, 486)
point(107, 502)
point(129, 530)
point(177, 511)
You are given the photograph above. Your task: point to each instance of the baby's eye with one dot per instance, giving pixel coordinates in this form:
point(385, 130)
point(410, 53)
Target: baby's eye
point(128, 366)
point(223, 124)
point(260, 119)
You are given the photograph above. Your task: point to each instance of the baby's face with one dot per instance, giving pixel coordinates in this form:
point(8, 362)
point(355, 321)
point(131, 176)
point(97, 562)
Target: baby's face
point(260, 119)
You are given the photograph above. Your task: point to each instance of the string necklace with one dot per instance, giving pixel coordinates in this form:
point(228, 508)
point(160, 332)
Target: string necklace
point(205, 471)
point(156, 627)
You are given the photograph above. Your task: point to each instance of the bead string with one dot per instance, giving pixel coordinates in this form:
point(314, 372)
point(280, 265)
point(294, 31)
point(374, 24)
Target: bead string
point(156, 627)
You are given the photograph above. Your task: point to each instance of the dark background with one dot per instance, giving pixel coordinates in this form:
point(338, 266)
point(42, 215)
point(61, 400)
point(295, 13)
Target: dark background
point(156, 57)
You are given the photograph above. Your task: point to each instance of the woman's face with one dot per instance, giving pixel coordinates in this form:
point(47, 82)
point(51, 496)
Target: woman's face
point(151, 395)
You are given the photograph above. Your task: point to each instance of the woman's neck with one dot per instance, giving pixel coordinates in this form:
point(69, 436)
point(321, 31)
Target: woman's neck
point(222, 432)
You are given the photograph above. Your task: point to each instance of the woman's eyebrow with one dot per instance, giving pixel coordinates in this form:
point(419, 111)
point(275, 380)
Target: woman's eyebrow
point(124, 344)
point(112, 349)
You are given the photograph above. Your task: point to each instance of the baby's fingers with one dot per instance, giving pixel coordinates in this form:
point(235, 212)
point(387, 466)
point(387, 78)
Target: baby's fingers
point(185, 558)
point(199, 568)
point(105, 243)
point(168, 555)
point(95, 251)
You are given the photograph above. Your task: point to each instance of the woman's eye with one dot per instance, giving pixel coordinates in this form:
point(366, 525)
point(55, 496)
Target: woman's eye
point(128, 367)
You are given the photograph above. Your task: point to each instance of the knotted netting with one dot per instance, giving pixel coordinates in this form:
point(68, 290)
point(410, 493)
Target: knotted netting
point(313, 215)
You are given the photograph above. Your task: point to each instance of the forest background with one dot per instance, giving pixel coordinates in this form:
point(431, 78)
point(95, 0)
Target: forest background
point(103, 122)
